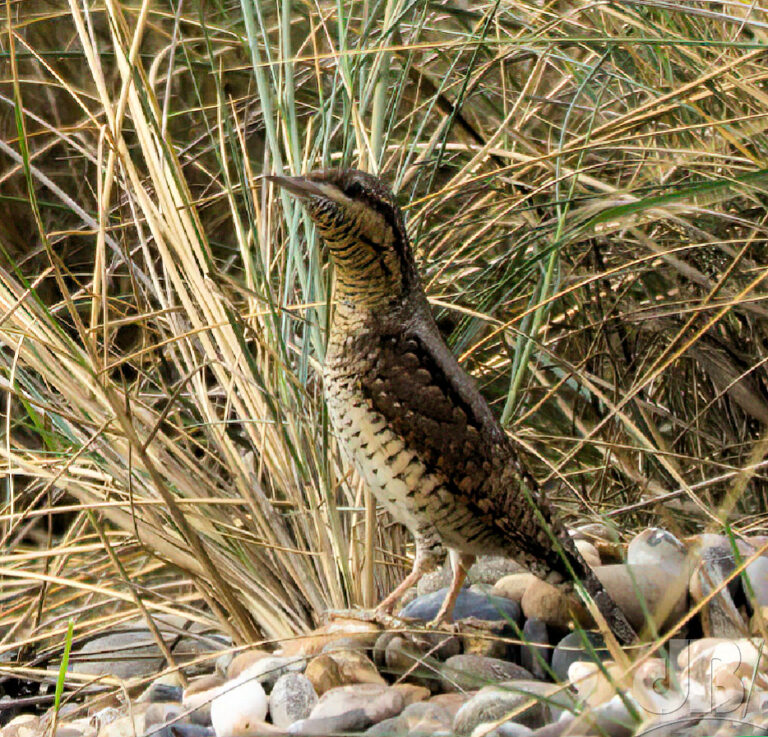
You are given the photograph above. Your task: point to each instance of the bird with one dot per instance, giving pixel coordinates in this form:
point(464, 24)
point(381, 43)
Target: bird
point(408, 416)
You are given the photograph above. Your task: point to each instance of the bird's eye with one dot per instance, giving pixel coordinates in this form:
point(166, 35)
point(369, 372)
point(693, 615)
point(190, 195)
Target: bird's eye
point(353, 190)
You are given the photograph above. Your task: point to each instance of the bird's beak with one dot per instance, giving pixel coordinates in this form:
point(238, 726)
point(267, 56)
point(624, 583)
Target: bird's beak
point(304, 188)
point(299, 186)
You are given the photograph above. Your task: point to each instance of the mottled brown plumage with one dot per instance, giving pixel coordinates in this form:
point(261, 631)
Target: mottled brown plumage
point(409, 417)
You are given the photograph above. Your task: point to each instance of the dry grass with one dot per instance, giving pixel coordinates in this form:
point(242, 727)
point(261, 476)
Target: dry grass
point(585, 185)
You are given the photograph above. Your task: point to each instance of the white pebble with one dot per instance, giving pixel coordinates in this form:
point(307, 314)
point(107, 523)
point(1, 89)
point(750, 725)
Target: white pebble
point(239, 708)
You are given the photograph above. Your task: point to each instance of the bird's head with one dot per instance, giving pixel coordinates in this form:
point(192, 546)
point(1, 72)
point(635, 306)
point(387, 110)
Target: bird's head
point(362, 226)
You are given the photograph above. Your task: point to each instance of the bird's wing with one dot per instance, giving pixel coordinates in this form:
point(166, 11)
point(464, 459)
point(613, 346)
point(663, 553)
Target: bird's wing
point(416, 383)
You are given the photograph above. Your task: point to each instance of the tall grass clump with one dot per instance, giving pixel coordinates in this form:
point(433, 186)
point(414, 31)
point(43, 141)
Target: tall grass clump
point(585, 185)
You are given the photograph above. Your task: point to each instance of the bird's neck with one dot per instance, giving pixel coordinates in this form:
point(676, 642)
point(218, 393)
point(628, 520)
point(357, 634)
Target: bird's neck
point(368, 290)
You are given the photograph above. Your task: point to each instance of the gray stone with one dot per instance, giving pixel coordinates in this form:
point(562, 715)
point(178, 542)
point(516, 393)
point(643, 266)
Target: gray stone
point(468, 604)
point(404, 659)
point(380, 647)
point(571, 649)
point(508, 729)
point(536, 659)
point(757, 572)
point(350, 709)
point(719, 615)
point(351, 721)
point(182, 729)
point(126, 654)
point(530, 703)
point(376, 701)
point(269, 669)
point(160, 713)
point(388, 728)
point(130, 651)
point(160, 692)
point(646, 588)
point(490, 568)
point(293, 697)
point(469, 671)
point(656, 547)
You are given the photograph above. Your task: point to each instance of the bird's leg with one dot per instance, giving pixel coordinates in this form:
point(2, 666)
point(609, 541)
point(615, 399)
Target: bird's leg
point(427, 558)
point(461, 563)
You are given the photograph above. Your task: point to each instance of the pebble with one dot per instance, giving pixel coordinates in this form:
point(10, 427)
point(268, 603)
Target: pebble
point(757, 591)
point(588, 552)
point(719, 616)
point(468, 604)
point(412, 693)
point(611, 719)
point(452, 701)
point(293, 697)
point(125, 726)
point(640, 589)
point(158, 692)
point(531, 703)
point(364, 633)
point(482, 642)
point(23, 725)
point(349, 709)
point(417, 719)
point(124, 655)
point(324, 674)
point(356, 667)
point(268, 670)
point(131, 651)
point(199, 695)
point(160, 713)
point(468, 671)
point(656, 547)
point(343, 690)
point(239, 707)
point(439, 644)
point(514, 586)
point(508, 729)
point(244, 660)
point(403, 659)
point(571, 650)
point(552, 606)
point(536, 659)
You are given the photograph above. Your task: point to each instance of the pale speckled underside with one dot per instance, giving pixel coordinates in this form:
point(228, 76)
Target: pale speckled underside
point(396, 476)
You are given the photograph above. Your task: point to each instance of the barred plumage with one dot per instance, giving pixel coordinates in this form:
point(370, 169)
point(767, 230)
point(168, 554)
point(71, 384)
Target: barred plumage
point(409, 418)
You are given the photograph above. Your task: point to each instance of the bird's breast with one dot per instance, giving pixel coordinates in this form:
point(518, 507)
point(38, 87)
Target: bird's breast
point(393, 472)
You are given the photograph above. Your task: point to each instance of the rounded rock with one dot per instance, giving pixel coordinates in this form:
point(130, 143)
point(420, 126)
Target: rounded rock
point(323, 673)
point(356, 667)
point(293, 697)
point(468, 604)
point(551, 605)
point(469, 671)
point(244, 660)
point(533, 658)
point(656, 547)
point(508, 729)
point(514, 586)
point(637, 589)
point(198, 697)
point(268, 670)
point(571, 649)
point(239, 706)
point(530, 703)
point(404, 659)
point(588, 552)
